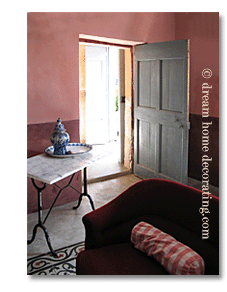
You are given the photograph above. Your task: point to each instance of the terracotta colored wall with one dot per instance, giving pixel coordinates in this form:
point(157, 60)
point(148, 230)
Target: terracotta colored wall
point(52, 70)
point(53, 54)
point(203, 31)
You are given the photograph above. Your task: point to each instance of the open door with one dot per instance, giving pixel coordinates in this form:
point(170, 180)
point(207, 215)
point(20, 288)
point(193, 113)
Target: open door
point(161, 110)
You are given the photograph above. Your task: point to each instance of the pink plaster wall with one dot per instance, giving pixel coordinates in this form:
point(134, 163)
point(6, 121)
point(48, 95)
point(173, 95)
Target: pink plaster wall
point(203, 31)
point(53, 54)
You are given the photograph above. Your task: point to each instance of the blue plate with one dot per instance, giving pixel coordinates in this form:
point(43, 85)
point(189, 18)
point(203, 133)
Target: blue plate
point(73, 149)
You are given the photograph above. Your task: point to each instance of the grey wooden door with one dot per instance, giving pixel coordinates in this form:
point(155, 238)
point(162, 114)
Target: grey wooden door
point(161, 110)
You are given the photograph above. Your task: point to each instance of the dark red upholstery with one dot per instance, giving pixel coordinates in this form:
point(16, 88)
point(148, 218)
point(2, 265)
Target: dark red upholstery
point(169, 206)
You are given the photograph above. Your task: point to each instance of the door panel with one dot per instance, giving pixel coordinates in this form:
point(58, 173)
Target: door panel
point(171, 161)
point(172, 85)
point(161, 110)
point(148, 71)
point(146, 153)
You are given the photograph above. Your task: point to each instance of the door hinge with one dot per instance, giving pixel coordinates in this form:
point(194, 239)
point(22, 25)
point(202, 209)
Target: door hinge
point(189, 125)
point(122, 99)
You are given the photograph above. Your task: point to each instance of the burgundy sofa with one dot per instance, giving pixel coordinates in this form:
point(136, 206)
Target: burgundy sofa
point(170, 206)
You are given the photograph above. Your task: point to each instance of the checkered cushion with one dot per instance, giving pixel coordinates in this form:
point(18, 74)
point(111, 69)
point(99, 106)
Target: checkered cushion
point(177, 258)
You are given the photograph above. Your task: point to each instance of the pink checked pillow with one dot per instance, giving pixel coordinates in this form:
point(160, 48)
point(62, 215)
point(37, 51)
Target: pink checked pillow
point(177, 258)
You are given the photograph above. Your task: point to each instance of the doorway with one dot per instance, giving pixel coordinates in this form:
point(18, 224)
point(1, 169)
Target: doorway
point(130, 106)
point(102, 107)
point(102, 91)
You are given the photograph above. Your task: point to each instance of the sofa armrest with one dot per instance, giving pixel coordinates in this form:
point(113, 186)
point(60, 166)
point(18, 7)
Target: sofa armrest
point(113, 222)
point(105, 226)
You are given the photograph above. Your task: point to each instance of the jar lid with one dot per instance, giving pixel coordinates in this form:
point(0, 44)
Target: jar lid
point(59, 127)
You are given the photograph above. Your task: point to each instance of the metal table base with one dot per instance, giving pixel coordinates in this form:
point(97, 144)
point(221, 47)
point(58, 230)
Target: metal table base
point(41, 222)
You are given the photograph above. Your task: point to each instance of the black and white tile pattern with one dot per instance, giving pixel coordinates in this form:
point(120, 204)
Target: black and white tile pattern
point(46, 264)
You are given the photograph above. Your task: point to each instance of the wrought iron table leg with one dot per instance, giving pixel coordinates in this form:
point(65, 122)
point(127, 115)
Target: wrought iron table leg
point(40, 220)
point(85, 193)
point(34, 234)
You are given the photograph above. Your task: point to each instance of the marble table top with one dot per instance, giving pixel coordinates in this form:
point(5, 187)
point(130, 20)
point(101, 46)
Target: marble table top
point(49, 169)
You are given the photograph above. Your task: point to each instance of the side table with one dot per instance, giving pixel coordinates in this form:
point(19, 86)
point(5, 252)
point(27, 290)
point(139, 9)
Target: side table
point(50, 170)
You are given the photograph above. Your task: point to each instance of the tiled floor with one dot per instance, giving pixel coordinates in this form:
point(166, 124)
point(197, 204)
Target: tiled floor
point(65, 225)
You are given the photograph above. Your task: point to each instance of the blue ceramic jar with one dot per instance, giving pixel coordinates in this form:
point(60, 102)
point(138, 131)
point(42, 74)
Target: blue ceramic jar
point(59, 139)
